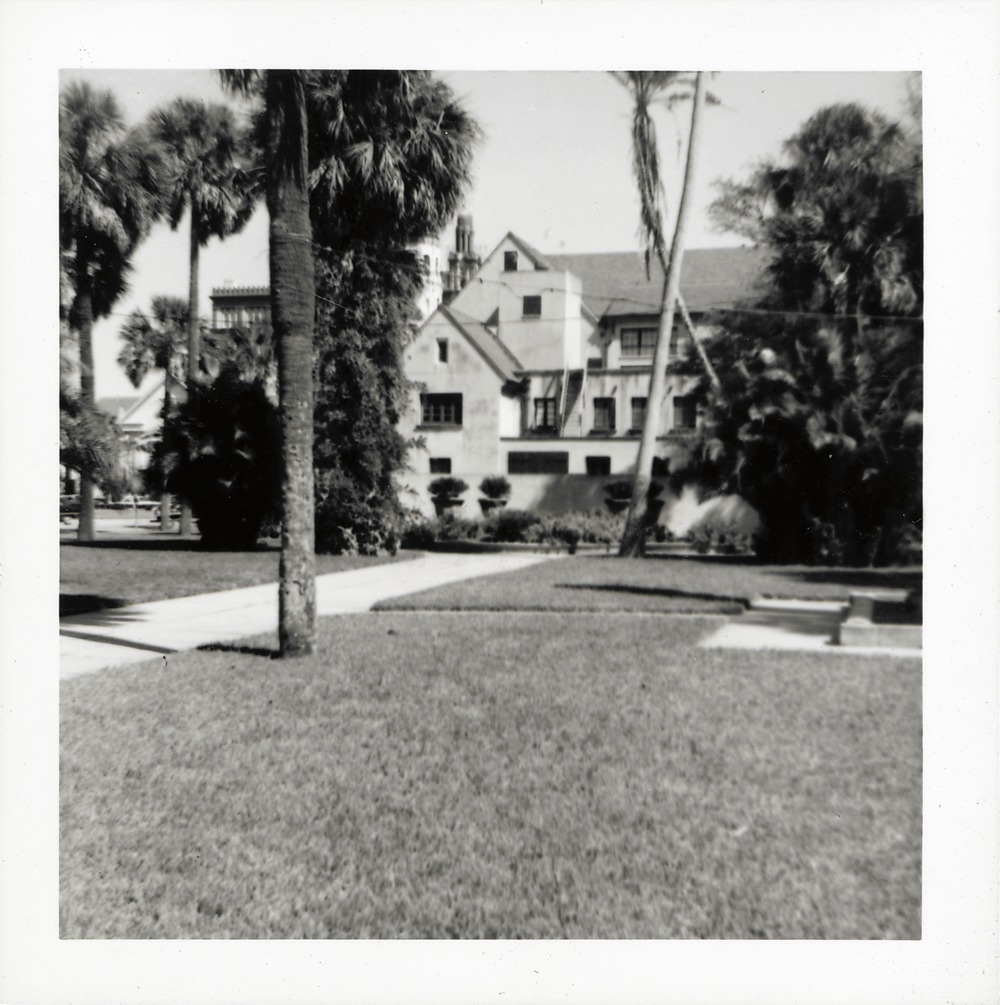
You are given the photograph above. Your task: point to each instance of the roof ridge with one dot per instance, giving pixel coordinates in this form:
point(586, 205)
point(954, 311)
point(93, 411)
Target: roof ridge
point(462, 318)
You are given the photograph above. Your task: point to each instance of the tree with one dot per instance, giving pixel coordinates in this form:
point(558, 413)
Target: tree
point(157, 345)
point(818, 422)
point(222, 454)
point(365, 317)
point(108, 199)
point(391, 155)
point(646, 87)
point(286, 169)
point(206, 180)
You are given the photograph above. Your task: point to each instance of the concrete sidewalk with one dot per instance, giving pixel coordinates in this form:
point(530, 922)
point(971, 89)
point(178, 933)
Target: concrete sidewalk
point(118, 636)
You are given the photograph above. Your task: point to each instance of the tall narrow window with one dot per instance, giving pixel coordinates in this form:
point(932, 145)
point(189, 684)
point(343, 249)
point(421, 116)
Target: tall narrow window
point(510, 261)
point(442, 350)
point(532, 307)
point(545, 413)
point(638, 414)
point(604, 415)
point(685, 413)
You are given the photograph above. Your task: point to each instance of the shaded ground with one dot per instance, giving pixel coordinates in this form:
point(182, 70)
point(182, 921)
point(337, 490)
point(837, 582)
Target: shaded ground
point(492, 775)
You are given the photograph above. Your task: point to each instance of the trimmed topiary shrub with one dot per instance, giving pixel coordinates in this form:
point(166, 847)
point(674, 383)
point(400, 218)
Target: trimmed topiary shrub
point(447, 487)
point(495, 487)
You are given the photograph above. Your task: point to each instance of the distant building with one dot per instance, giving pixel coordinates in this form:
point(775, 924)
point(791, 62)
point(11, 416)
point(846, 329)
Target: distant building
point(538, 367)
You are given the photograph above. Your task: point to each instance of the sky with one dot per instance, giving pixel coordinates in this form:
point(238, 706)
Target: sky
point(553, 166)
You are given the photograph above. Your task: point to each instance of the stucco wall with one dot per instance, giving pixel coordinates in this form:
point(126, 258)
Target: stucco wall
point(475, 444)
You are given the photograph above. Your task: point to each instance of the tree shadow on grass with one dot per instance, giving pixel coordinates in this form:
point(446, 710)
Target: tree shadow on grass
point(225, 647)
point(86, 603)
point(656, 591)
point(165, 543)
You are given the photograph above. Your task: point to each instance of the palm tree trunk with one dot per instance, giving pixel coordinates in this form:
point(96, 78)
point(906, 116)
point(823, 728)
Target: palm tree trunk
point(633, 541)
point(194, 341)
point(85, 321)
point(292, 316)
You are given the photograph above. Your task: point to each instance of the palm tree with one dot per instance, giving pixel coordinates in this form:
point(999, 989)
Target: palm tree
point(292, 270)
point(386, 156)
point(646, 87)
point(206, 181)
point(157, 345)
point(108, 199)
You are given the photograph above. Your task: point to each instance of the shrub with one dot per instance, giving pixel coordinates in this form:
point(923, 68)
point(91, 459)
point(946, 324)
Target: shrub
point(510, 525)
point(222, 454)
point(722, 540)
point(451, 527)
point(447, 487)
point(350, 521)
point(495, 487)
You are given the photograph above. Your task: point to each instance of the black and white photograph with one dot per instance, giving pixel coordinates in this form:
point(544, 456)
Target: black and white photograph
point(491, 506)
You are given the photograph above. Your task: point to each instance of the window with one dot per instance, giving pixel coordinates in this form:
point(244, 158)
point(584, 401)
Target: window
point(661, 467)
point(541, 463)
point(442, 350)
point(594, 363)
point(510, 261)
point(638, 341)
point(685, 413)
point(604, 415)
point(638, 414)
point(441, 409)
point(598, 465)
point(545, 413)
point(440, 465)
point(532, 307)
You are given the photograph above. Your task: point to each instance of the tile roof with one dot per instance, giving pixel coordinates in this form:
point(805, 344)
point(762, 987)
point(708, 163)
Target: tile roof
point(615, 283)
point(496, 353)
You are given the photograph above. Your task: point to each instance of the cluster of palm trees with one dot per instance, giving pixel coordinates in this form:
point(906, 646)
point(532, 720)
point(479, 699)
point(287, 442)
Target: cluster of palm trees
point(382, 156)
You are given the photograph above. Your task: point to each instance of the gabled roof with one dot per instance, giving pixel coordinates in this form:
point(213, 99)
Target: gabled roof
point(503, 361)
point(537, 258)
point(615, 283)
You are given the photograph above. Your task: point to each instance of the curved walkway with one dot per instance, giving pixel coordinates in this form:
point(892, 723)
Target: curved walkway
point(122, 635)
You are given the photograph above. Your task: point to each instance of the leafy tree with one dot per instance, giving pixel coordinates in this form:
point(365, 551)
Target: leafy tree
point(818, 421)
point(365, 316)
point(391, 155)
point(108, 199)
point(206, 180)
point(645, 88)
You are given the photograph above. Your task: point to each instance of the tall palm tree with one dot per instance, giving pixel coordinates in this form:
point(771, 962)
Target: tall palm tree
point(157, 345)
point(386, 156)
point(108, 199)
point(647, 87)
point(206, 180)
point(292, 270)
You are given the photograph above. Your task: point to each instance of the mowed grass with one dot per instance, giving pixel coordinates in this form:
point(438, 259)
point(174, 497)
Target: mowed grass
point(596, 583)
point(494, 775)
point(115, 572)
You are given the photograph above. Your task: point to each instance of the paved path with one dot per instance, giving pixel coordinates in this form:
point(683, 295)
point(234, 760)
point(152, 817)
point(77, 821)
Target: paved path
point(792, 624)
point(92, 642)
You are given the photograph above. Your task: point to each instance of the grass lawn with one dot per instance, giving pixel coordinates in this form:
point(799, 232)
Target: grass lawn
point(118, 571)
point(598, 583)
point(494, 775)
